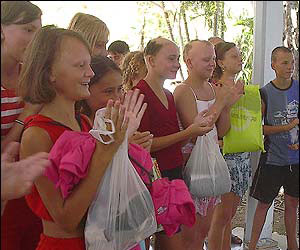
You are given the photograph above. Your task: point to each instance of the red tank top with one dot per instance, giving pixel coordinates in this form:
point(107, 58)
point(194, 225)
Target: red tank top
point(55, 130)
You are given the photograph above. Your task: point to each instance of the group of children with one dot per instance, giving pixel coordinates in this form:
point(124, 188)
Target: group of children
point(63, 76)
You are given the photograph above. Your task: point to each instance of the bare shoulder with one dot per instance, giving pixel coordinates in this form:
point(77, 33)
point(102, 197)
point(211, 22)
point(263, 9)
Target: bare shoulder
point(182, 91)
point(34, 140)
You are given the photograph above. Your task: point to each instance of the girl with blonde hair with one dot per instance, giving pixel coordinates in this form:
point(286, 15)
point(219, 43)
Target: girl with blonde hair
point(93, 29)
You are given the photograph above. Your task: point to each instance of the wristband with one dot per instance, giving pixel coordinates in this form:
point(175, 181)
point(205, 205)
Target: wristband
point(19, 122)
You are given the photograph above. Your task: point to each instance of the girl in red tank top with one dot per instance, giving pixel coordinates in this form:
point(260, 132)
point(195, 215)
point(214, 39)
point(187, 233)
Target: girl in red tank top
point(56, 74)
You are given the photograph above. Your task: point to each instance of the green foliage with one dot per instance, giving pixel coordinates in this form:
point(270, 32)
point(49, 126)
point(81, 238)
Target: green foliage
point(155, 25)
point(245, 43)
point(194, 10)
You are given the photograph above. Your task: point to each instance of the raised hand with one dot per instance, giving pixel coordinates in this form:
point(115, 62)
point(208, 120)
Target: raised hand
point(135, 109)
point(229, 92)
point(116, 113)
point(236, 92)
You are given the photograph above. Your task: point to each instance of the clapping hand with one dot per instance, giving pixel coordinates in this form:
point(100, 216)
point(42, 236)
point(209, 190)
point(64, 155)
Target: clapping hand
point(204, 120)
point(135, 109)
point(230, 93)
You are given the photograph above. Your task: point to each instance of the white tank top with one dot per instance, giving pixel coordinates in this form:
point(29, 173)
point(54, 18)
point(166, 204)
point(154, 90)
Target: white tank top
point(202, 105)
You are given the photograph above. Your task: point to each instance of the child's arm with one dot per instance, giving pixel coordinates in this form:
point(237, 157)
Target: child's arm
point(269, 130)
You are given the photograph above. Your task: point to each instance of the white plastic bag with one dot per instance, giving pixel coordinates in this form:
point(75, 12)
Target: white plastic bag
point(206, 172)
point(122, 213)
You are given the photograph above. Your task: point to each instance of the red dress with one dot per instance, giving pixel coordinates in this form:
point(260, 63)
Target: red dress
point(34, 201)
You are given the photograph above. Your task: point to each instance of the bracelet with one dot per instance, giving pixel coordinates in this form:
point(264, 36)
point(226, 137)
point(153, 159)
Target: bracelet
point(19, 122)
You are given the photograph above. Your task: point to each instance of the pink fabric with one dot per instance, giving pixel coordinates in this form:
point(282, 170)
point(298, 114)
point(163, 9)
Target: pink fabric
point(143, 157)
point(70, 157)
point(137, 247)
point(173, 204)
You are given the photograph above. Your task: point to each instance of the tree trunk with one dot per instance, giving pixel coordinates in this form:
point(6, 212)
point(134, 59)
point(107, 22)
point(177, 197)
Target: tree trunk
point(185, 23)
point(143, 35)
point(180, 32)
point(289, 26)
point(222, 21)
point(291, 33)
point(216, 19)
point(166, 14)
point(167, 19)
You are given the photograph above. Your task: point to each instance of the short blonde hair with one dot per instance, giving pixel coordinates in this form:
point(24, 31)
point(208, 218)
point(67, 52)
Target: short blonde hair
point(90, 27)
point(133, 63)
point(34, 83)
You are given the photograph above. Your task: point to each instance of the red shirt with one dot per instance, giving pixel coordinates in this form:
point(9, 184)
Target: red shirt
point(161, 122)
point(55, 130)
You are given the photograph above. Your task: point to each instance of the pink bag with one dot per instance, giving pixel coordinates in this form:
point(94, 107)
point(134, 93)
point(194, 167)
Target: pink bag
point(172, 200)
point(173, 204)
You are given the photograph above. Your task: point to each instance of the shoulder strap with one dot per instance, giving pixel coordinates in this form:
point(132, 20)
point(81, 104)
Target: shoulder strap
point(150, 175)
point(212, 89)
point(191, 90)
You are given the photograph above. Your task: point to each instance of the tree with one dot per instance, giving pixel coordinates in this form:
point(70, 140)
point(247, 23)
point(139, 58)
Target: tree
point(142, 35)
point(213, 13)
point(170, 27)
point(291, 32)
point(244, 41)
point(175, 19)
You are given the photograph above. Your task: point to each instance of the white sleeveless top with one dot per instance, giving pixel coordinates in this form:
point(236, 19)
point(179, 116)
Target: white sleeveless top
point(202, 105)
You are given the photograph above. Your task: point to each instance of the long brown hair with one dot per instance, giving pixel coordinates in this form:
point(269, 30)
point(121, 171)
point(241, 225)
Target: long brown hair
point(221, 49)
point(34, 83)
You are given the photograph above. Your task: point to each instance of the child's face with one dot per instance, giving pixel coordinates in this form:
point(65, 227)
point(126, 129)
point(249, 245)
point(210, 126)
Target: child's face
point(116, 57)
point(100, 48)
point(71, 71)
point(202, 60)
point(232, 61)
point(166, 61)
point(284, 65)
point(17, 37)
point(108, 87)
